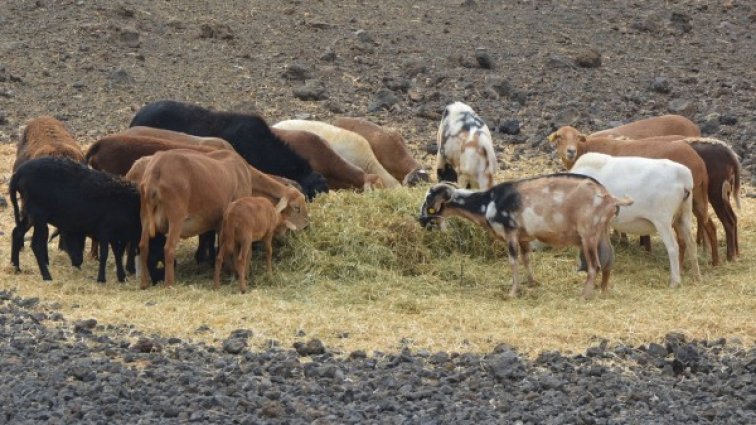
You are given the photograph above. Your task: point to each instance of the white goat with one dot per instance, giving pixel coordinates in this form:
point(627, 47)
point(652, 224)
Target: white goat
point(661, 191)
point(465, 148)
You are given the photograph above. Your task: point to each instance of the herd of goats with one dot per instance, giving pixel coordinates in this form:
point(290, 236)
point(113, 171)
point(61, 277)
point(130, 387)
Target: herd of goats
point(181, 170)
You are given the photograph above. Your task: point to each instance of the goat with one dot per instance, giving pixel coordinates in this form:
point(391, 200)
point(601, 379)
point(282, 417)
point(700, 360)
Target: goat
point(185, 193)
point(660, 190)
point(571, 144)
point(557, 209)
point(665, 125)
point(465, 148)
point(247, 220)
point(389, 148)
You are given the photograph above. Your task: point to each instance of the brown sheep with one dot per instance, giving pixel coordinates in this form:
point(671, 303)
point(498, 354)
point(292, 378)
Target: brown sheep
point(339, 173)
point(178, 137)
point(390, 149)
point(46, 136)
point(665, 125)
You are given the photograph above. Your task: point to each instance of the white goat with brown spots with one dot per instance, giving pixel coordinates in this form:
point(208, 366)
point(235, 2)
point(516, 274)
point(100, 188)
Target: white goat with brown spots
point(557, 209)
point(465, 148)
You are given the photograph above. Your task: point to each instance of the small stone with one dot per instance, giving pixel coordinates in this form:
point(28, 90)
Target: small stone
point(234, 345)
point(312, 347)
point(358, 354)
point(85, 326)
point(509, 127)
point(555, 60)
point(483, 58)
point(129, 37)
point(396, 83)
point(120, 76)
point(728, 119)
point(146, 345)
point(711, 124)
point(680, 22)
point(217, 30)
point(588, 59)
point(329, 55)
point(364, 36)
point(682, 107)
point(383, 99)
point(297, 72)
point(312, 91)
point(661, 85)
point(3, 202)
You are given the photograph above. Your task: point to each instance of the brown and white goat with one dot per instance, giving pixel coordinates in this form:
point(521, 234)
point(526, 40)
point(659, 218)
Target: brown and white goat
point(247, 220)
point(178, 137)
point(557, 209)
point(465, 148)
point(571, 144)
point(390, 148)
point(46, 136)
point(339, 173)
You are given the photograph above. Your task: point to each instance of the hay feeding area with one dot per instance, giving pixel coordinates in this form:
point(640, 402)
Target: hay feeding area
point(366, 276)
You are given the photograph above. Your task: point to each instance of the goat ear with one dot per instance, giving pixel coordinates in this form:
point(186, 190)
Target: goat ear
point(553, 137)
point(282, 203)
point(581, 138)
point(289, 225)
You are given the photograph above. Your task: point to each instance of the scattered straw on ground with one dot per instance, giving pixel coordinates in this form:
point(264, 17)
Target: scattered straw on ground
point(366, 276)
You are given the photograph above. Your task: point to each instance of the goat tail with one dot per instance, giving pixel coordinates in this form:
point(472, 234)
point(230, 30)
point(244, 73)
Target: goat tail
point(736, 186)
point(13, 189)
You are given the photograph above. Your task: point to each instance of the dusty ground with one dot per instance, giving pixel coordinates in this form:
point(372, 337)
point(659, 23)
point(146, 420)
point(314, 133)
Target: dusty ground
point(94, 63)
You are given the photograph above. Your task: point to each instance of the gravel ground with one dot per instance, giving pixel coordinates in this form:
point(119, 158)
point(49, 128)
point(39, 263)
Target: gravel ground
point(54, 371)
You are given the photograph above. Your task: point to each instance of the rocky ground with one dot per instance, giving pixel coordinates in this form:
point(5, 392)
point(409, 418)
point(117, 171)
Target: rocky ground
point(526, 67)
point(54, 371)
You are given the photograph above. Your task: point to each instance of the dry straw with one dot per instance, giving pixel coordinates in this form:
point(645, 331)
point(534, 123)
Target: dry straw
point(366, 276)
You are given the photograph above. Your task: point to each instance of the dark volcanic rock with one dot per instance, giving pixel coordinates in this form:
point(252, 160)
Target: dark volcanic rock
point(588, 59)
point(98, 380)
point(384, 99)
point(661, 85)
point(312, 91)
point(484, 58)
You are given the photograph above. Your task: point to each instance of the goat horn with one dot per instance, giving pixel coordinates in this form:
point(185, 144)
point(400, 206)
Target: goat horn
point(282, 203)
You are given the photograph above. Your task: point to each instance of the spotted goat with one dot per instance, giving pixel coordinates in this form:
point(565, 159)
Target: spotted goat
point(557, 209)
point(465, 148)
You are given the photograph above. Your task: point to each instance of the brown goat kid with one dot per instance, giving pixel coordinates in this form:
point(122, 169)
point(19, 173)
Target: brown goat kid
point(390, 148)
point(247, 220)
point(46, 136)
point(571, 144)
point(339, 173)
point(117, 153)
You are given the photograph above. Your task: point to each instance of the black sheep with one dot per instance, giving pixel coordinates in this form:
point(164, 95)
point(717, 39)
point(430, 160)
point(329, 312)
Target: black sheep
point(80, 202)
point(249, 134)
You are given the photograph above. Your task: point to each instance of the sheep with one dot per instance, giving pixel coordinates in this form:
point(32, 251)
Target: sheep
point(46, 136)
point(80, 202)
point(339, 173)
point(177, 136)
point(117, 153)
point(665, 125)
point(660, 190)
point(348, 144)
point(389, 147)
point(247, 220)
point(571, 144)
point(557, 209)
point(465, 148)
